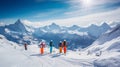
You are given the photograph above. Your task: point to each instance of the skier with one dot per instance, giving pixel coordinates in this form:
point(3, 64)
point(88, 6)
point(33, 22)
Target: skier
point(25, 46)
point(51, 46)
point(65, 46)
point(60, 47)
point(42, 46)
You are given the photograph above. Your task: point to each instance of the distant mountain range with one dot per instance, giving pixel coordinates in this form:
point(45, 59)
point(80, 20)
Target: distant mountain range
point(76, 36)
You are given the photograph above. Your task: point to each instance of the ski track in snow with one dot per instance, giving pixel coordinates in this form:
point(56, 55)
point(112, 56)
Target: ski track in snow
point(55, 59)
point(33, 58)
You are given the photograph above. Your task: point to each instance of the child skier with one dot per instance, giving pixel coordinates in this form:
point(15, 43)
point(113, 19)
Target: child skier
point(25, 46)
point(60, 47)
point(65, 46)
point(51, 46)
point(42, 46)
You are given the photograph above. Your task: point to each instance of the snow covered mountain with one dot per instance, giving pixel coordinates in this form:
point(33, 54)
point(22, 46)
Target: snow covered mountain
point(17, 27)
point(109, 41)
point(76, 36)
point(113, 24)
point(95, 30)
point(109, 35)
point(17, 32)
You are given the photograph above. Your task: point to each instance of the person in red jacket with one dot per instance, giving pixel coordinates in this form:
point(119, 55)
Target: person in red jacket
point(42, 46)
point(65, 46)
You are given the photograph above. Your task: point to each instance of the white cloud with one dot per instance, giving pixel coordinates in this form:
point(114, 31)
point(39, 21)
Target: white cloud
point(76, 3)
point(96, 18)
point(47, 14)
point(2, 24)
point(7, 21)
point(80, 8)
point(35, 24)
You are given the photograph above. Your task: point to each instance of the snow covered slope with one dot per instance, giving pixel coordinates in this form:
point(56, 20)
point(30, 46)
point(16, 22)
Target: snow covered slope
point(113, 61)
point(107, 48)
point(110, 41)
point(12, 55)
point(15, 56)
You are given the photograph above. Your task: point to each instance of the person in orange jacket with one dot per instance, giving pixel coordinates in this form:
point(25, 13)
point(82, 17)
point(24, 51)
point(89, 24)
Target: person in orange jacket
point(65, 46)
point(60, 47)
point(42, 46)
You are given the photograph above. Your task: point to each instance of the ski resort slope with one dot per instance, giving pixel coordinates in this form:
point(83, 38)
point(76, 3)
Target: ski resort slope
point(12, 55)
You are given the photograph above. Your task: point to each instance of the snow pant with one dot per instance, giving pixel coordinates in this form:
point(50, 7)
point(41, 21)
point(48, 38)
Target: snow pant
point(65, 50)
point(51, 48)
point(60, 49)
point(42, 50)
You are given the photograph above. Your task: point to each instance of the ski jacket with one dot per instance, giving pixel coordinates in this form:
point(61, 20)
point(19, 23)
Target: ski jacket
point(64, 43)
point(60, 44)
point(51, 44)
point(42, 45)
point(25, 45)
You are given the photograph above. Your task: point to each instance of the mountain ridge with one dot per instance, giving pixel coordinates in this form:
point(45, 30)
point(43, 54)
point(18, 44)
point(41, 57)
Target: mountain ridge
point(75, 35)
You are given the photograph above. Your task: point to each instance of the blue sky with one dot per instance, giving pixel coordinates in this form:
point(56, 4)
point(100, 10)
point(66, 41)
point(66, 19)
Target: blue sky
point(58, 11)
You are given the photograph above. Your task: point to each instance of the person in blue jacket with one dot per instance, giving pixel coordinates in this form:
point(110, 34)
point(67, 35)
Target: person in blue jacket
point(51, 46)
